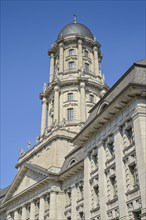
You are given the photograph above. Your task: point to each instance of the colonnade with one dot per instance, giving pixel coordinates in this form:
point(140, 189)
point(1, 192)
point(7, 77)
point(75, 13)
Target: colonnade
point(94, 58)
point(58, 108)
point(45, 211)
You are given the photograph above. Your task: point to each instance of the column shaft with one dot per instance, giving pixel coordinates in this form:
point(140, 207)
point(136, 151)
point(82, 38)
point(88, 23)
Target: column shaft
point(96, 61)
point(120, 176)
point(102, 182)
point(51, 67)
point(140, 137)
point(53, 208)
point(42, 208)
point(23, 213)
point(87, 188)
point(56, 104)
point(83, 102)
point(32, 210)
point(73, 204)
point(80, 61)
point(16, 215)
point(44, 112)
point(61, 58)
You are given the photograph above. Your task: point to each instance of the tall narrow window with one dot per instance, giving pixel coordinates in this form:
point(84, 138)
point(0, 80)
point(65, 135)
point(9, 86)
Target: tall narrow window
point(91, 98)
point(71, 65)
point(70, 114)
point(86, 53)
point(69, 96)
point(134, 178)
point(96, 195)
point(86, 67)
point(114, 185)
point(71, 52)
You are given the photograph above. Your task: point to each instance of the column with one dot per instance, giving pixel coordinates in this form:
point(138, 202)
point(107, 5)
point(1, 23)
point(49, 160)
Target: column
point(120, 176)
point(44, 112)
point(82, 102)
point(73, 203)
point(87, 187)
point(32, 210)
point(42, 208)
point(51, 67)
point(23, 213)
point(16, 215)
point(53, 210)
point(61, 57)
point(56, 104)
point(96, 61)
point(140, 137)
point(80, 62)
point(102, 181)
point(61, 106)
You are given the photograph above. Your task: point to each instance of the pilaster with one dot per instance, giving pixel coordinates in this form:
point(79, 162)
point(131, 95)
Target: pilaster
point(16, 215)
point(80, 61)
point(42, 208)
point(44, 112)
point(87, 187)
point(51, 67)
point(23, 213)
point(120, 176)
point(61, 57)
point(102, 182)
point(140, 137)
point(96, 61)
point(82, 102)
point(56, 104)
point(32, 210)
point(53, 208)
point(73, 203)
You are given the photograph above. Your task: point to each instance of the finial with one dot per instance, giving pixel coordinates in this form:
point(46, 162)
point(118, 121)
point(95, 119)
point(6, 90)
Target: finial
point(44, 88)
point(75, 19)
point(28, 146)
point(21, 151)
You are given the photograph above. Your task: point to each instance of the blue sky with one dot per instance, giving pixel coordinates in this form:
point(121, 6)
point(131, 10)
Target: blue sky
point(28, 28)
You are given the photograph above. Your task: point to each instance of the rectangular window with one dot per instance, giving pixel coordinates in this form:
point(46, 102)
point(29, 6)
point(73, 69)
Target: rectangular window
point(134, 178)
point(114, 185)
point(71, 52)
point(71, 65)
point(91, 98)
point(86, 67)
point(86, 53)
point(69, 96)
point(70, 114)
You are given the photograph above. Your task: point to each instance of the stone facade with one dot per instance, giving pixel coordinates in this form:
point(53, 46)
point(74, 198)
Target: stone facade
point(89, 160)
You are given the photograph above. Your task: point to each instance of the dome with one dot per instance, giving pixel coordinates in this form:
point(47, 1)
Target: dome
point(75, 29)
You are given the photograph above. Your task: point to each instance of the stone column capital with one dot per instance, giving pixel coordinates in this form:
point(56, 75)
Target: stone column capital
point(52, 55)
point(82, 84)
point(95, 48)
point(80, 41)
point(61, 45)
point(56, 88)
point(44, 100)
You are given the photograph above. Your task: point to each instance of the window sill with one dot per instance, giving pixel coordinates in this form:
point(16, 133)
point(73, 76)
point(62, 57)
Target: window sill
point(95, 209)
point(130, 191)
point(112, 200)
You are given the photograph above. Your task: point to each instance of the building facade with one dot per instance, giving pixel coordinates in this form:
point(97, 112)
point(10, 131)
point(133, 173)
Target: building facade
point(89, 161)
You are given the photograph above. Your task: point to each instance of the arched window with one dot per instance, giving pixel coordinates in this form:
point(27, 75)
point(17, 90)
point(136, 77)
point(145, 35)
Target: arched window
point(102, 107)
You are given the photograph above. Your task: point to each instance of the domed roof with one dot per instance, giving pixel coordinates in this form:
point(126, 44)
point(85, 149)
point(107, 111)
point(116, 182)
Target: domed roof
point(75, 29)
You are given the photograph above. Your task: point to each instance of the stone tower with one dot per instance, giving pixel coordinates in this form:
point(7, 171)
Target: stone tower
point(76, 83)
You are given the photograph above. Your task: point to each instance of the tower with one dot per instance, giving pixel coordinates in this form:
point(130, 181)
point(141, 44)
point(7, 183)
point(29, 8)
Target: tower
point(76, 83)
